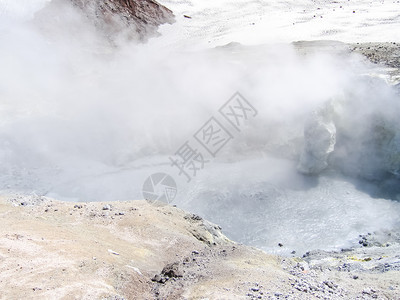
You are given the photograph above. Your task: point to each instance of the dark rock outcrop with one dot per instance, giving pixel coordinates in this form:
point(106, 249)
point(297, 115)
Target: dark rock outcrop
point(135, 18)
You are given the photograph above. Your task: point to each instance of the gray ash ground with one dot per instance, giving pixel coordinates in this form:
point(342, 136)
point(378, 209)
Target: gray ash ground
point(384, 55)
point(26, 200)
point(378, 253)
point(317, 275)
point(379, 53)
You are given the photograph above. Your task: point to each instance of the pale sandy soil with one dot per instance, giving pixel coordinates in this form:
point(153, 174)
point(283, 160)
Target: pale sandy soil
point(55, 251)
point(59, 250)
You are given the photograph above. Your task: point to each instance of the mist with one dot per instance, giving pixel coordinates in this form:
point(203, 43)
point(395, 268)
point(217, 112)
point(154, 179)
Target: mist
point(84, 119)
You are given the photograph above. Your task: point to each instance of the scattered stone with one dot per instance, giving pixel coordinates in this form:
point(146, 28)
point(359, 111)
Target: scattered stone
point(193, 217)
point(330, 284)
point(156, 278)
point(172, 270)
point(113, 252)
point(345, 249)
point(107, 207)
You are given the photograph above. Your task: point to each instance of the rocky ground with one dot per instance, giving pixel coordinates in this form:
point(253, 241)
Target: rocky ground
point(380, 53)
point(114, 20)
point(140, 250)
point(114, 16)
point(385, 56)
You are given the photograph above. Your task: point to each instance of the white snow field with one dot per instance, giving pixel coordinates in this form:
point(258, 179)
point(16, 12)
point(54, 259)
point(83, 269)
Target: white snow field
point(215, 23)
point(83, 121)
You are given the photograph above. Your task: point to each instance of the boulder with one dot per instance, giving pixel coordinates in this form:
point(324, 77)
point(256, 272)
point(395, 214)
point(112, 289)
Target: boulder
point(319, 142)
